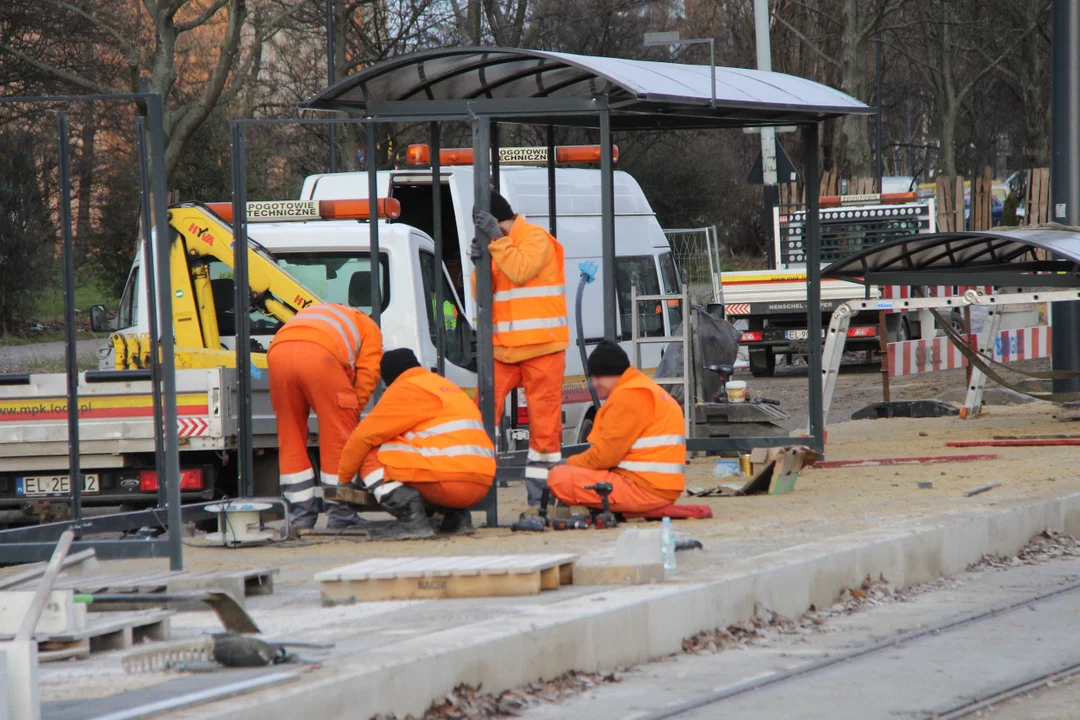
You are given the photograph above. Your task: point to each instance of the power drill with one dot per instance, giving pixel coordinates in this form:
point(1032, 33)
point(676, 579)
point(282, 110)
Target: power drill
point(535, 523)
point(603, 519)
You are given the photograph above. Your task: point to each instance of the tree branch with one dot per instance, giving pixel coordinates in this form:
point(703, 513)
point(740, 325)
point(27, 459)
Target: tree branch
point(130, 53)
point(65, 75)
point(809, 43)
point(990, 66)
point(202, 18)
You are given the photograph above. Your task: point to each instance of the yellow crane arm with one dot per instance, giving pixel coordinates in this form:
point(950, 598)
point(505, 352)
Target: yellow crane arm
point(199, 236)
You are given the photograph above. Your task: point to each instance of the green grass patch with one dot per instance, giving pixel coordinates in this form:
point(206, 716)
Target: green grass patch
point(88, 291)
point(45, 336)
point(54, 365)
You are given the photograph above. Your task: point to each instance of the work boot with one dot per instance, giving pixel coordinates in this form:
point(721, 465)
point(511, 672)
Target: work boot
point(342, 517)
point(534, 488)
point(407, 506)
point(456, 522)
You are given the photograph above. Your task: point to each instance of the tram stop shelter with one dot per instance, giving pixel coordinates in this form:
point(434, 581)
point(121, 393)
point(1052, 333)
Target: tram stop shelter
point(486, 86)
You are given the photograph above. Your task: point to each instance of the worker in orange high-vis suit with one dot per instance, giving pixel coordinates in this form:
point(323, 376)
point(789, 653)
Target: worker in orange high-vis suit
point(327, 359)
point(638, 441)
point(530, 333)
point(421, 448)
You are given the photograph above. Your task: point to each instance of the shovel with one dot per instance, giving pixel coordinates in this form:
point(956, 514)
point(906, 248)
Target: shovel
point(232, 616)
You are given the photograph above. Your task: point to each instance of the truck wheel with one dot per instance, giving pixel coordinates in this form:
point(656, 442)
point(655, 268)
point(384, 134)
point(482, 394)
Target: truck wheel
point(762, 363)
point(586, 428)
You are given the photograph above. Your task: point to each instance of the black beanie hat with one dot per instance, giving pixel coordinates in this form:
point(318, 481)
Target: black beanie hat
point(500, 208)
point(608, 359)
point(395, 362)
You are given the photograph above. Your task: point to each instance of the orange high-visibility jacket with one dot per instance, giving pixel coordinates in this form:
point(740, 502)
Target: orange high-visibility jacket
point(639, 433)
point(425, 429)
point(528, 285)
point(353, 338)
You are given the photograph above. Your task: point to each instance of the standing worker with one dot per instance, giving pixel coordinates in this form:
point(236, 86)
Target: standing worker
point(422, 447)
point(530, 333)
point(327, 359)
point(638, 441)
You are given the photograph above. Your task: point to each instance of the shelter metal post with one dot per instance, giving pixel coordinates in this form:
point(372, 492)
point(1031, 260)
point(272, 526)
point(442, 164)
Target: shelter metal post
point(552, 190)
point(1065, 172)
point(813, 289)
point(485, 361)
point(71, 350)
point(373, 223)
point(495, 175)
point(607, 224)
point(436, 232)
point(241, 311)
point(155, 117)
point(151, 306)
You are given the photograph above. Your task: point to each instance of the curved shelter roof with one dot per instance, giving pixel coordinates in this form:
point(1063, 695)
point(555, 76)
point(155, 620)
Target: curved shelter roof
point(993, 257)
point(641, 94)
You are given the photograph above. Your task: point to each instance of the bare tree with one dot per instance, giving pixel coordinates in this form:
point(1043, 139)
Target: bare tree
point(156, 40)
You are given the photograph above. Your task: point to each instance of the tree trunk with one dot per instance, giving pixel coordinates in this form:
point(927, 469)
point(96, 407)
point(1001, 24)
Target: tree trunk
point(1036, 117)
point(949, 112)
point(853, 142)
point(85, 173)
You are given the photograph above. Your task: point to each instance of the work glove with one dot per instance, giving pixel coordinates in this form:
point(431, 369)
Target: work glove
point(475, 250)
point(487, 224)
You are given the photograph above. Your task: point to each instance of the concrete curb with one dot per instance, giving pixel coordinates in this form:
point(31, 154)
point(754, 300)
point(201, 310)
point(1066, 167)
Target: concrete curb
point(627, 626)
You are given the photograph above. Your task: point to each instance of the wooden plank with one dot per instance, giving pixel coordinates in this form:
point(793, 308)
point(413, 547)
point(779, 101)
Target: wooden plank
point(566, 573)
point(943, 215)
point(1044, 195)
point(549, 578)
point(98, 624)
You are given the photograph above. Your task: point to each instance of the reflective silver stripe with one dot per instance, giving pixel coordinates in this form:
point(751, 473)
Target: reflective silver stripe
point(452, 451)
point(449, 427)
point(350, 323)
point(534, 324)
point(328, 479)
point(346, 336)
point(656, 467)
point(374, 477)
point(385, 489)
point(530, 292)
point(536, 472)
point(658, 441)
point(296, 478)
point(537, 456)
point(300, 495)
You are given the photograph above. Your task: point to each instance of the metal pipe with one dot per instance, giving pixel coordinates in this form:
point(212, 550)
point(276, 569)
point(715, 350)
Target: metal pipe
point(552, 187)
point(71, 349)
point(155, 119)
point(151, 306)
point(607, 226)
point(1065, 172)
point(436, 232)
point(242, 312)
point(813, 289)
point(485, 360)
point(330, 78)
point(373, 223)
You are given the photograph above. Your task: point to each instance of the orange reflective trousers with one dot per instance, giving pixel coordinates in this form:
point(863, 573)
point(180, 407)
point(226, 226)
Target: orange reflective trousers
point(542, 379)
point(449, 494)
point(306, 376)
point(567, 483)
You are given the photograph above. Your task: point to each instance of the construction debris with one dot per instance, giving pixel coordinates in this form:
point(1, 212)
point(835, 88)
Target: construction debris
point(1045, 547)
point(469, 703)
point(982, 489)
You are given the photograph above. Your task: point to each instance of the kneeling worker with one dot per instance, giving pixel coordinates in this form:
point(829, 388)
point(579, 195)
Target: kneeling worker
point(423, 445)
point(327, 359)
point(638, 441)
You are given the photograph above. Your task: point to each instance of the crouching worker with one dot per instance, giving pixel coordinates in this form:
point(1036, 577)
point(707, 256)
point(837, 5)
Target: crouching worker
point(638, 441)
point(422, 448)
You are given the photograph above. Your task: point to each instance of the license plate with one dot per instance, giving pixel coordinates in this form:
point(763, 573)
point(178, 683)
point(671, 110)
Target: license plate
point(53, 485)
point(796, 334)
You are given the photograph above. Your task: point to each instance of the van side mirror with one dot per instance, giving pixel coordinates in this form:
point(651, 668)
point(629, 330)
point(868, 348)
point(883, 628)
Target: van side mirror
point(99, 319)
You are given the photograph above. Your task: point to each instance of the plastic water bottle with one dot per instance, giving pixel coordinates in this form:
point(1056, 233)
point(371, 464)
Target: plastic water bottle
point(667, 543)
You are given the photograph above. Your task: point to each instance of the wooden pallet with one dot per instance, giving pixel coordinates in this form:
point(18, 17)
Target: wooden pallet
point(408, 578)
point(106, 631)
point(240, 583)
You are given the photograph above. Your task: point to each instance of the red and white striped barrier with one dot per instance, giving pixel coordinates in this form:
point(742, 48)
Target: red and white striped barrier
point(923, 356)
point(737, 309)
point(1023, 344)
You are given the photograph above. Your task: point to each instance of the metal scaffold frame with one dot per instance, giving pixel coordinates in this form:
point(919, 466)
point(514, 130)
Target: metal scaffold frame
point(36, 543)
